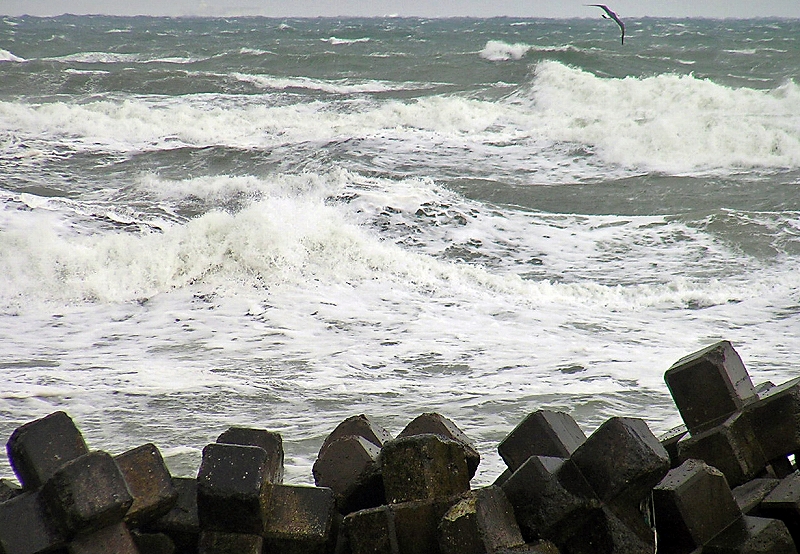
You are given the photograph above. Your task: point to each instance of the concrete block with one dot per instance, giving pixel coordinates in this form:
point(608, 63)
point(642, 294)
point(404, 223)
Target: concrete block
point(750, 495)
point(26, 528)
point(359, 426)
point(181, 523)
point(153, 543)
point(538, 547)
point(403, 528)
point(350, 467)
point(481, 522)
point(502, 478)
point(270, 441)
point(9, 489)
point(710, 385)
point(114, 539)
point(88, 493)
point(233, 488)
point(437, 424)
point(423, 467)
point(692, 505)
point(39, 448)
point(551, 498)
point(775, 418)
point(371, 531)
point(542, 433)
point(606, 533)
point(752, 535)
point(783, 502)
point(622, 460)
point(416, 525)
point(149, 482)
point(301, 520)
point(218, 542)
point(669, 441)
point(732, 447)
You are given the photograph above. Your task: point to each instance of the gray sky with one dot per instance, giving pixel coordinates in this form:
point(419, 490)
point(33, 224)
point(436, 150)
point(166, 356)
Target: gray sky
point(423, 8)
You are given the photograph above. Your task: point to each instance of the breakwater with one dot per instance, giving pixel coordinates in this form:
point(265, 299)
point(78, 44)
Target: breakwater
point(726, 481)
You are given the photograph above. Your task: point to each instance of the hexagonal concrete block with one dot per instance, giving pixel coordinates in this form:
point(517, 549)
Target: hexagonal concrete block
point(39, 448)
point(349, 466)
point(270, 441)
point(483, 521)
point(149, 482)
point(709, 385)
point(622, 460)
point(542, 433)
point(437, 424)
point(423, 467)
point(692, 505)
point(88, 493)
point(233, 488)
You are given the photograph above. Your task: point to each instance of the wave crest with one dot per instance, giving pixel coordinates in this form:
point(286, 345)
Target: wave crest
point(670, 123)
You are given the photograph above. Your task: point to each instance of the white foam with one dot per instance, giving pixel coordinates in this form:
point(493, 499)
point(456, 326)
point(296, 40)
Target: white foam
point(138, 124)
point(496, 50)
point(178, 60)
point(299, 310)
point(670, 123)
point(500, 51)
point(619, 127)
point(339, 86)
point(6, 56)
point(97, 57)
point(73, 71)
point(291, 234)
point(256, 52)
point(339, 41)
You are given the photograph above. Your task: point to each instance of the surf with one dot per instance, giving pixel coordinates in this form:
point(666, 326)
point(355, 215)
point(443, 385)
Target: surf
point(669, 123)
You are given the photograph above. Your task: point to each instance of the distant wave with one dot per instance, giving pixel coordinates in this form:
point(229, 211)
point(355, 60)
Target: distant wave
point(496, 51)
point(677, 124)
point(255, 52)
point(335, 40)
point(671, 123)
point(97, 57)
point(176, 60)
point(334, 87)
point(499, 51)
point(6, 56)
point(72, 71)
point(115, 57)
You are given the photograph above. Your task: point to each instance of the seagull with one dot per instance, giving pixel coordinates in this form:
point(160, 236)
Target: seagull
point(613, 16)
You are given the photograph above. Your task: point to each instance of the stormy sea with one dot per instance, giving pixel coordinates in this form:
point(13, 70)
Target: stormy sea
point(281, 223)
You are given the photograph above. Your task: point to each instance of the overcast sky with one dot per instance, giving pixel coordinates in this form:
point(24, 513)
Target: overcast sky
point(423, 8)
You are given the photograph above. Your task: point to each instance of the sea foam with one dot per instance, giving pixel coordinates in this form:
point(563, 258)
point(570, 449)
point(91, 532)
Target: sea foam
point(293, 234)
point(670, 123)
point(6, 56)
point(496, 50)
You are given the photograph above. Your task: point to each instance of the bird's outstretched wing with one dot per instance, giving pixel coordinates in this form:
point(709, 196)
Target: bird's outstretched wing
point(613, 16)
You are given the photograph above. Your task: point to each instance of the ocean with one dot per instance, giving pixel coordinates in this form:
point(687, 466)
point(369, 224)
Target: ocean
point(281, 223)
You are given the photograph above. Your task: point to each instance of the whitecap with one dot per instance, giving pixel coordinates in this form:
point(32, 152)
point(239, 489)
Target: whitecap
point(337, 41)
point(6, 56)
point(497, 51)
point(96, 57)
point(339, 86)
point(668, 122)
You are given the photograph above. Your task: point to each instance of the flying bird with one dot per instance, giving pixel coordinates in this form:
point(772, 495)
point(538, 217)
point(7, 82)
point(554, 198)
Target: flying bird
point(613, 16)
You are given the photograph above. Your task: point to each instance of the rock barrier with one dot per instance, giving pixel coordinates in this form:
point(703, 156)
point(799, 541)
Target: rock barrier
point(727, 481)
